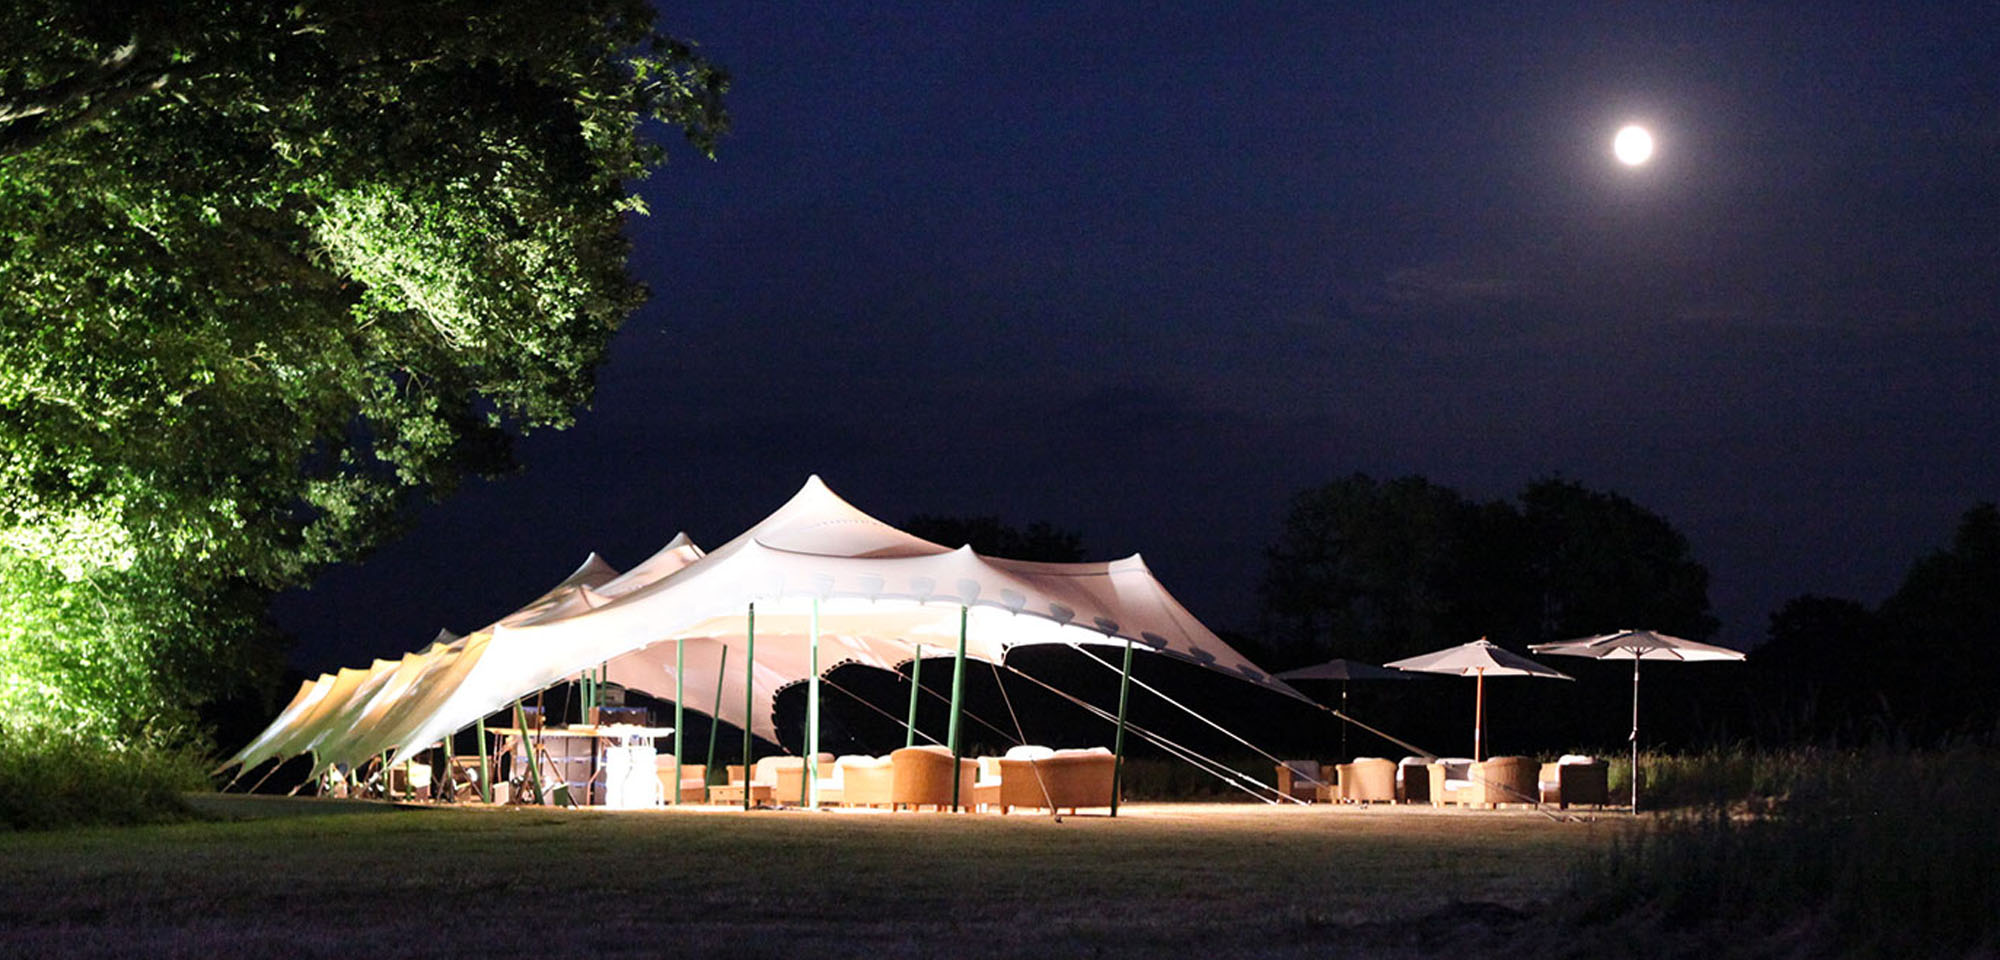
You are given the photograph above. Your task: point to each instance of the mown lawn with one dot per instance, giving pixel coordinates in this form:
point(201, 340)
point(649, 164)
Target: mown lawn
point(1160, 880)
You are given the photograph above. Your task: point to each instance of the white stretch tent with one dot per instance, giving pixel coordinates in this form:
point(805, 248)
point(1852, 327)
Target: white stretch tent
point(307, 722)
point(817, 584)
point(818, 569)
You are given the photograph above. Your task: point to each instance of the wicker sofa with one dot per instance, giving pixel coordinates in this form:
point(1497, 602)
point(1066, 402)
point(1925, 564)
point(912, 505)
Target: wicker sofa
point(1061, 780)
point(1489, 784)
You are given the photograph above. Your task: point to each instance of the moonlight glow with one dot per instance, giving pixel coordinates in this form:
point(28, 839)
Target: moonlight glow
point(1633, 146)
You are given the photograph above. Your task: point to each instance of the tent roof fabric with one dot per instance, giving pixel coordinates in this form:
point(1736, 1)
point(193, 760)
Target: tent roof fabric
point(875, 591)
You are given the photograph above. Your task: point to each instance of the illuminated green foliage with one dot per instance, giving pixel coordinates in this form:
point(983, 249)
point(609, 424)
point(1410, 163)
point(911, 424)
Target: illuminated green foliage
point(271, 270)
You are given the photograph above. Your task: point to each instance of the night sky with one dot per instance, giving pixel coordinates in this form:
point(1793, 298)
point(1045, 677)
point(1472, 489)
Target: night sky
point(1146, 272)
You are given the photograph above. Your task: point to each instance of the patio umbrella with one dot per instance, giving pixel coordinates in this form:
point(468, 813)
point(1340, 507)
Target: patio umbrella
point(1343, 671)
point(1477, 659)
point(1637, 645)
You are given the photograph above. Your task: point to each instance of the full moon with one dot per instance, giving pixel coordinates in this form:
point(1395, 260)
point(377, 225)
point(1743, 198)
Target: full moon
point(1633, 146)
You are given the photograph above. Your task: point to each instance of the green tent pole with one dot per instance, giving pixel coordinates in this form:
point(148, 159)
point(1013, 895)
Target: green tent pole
point(957, 707)
point(812, 717)
point(528, 747)
point(1118, 742)
point(916, 687)
point(749, 694)
point(714, 722)
point(485, 768)
point(680, 713)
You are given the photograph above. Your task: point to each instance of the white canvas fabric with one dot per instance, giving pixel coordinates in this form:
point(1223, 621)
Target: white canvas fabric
point(337, 713)
point(876, 591)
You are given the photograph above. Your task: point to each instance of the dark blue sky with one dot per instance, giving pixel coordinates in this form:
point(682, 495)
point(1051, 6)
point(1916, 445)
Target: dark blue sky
point(1146, 272)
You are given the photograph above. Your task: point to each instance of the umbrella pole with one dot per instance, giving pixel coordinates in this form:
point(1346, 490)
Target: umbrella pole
point(1635, 734)
point(916, 687)
point(749, 693)
point(1479, 716)
point(1343, 725)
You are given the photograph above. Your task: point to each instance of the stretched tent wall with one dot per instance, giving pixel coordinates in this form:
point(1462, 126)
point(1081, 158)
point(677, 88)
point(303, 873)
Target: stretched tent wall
point(298, 728)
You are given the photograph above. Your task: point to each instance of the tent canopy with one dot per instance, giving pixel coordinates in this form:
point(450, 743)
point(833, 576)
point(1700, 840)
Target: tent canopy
point(874, 594)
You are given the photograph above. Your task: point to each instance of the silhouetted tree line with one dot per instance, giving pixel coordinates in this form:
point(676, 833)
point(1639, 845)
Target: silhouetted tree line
point(1923, 667)
point(1375, 571)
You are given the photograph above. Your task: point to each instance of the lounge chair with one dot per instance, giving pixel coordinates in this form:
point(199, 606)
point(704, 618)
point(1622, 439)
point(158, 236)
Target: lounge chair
point(922, 776)
point(1489, 784)
point(1367, 780)
point(1413, 780)
point(1575, 779)
point(1307, 780)
point(866, 781)
point(788, 778)
point(1063, 780)
point(694, 779)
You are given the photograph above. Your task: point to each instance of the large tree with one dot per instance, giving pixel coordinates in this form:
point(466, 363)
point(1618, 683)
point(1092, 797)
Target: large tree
point(273, 269)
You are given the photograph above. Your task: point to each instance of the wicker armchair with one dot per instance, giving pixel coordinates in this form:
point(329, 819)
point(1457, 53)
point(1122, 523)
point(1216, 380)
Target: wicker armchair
point(921, 776)
point(866, 781)
point(1367, 780)
point(1575, 779)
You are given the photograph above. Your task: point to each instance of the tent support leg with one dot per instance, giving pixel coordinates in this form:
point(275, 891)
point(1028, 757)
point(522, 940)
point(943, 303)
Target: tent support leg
point(1635, 735)
point(957, 708)
point(916, 687)
point(485, 768)
point(680, 713)
point(528, 747)
point(714, 724)
point(749, 693)
point(1118, 740)
point(812, 718)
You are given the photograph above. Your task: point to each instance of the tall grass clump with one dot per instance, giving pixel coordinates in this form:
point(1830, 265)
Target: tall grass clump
point(50, 780)
point(1867, 853)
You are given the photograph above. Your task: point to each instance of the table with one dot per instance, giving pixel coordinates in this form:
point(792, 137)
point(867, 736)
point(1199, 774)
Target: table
point(622, 752)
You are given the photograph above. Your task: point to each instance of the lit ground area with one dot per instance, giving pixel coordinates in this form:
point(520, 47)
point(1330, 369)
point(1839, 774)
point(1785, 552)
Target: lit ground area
point(1160, 880)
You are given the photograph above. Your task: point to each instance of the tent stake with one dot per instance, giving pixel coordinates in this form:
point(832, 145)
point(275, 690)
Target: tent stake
point(957, 707)
point(680, 715)
point(1118, 741)
point(749, 693)
point(714, 724)
point(485, 769)
point(916, 686)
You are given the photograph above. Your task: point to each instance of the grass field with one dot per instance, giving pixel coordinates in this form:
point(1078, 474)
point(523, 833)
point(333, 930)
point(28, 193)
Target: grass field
point(1160, 880)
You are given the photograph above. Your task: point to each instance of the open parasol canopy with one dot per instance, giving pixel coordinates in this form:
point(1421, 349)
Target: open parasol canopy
point(1477, 659)
point(1637, 645)
point(1343, 670)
